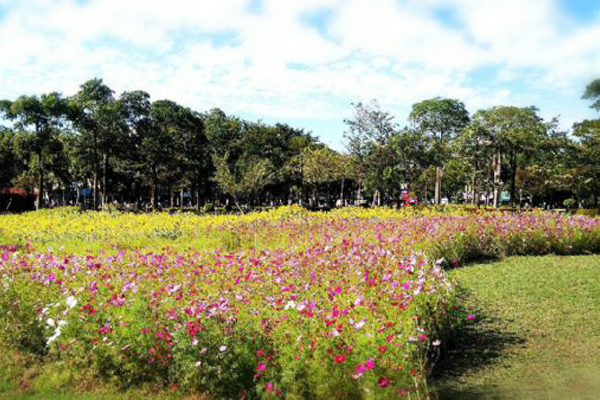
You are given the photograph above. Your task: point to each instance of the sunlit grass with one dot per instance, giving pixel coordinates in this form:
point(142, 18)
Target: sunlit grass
point(539, 336)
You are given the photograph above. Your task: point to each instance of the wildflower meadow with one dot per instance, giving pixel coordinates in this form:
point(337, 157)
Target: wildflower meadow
point(283, 304)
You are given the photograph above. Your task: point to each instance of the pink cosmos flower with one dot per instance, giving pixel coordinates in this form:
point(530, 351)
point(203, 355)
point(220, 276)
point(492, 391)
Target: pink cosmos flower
point(105, 329)
point(261, 367)
point(383, 382)
point(340, 358)
point(470, 317)
point(359, 370)
point(369, 364)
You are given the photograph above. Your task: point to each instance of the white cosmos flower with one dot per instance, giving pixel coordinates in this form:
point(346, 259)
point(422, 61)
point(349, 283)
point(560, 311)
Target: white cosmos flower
point(71, 301)
point(54, 337)
point(290, 304)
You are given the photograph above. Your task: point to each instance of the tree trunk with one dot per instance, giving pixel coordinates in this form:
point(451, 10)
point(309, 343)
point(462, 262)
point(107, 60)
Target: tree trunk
point(171, 196)
point(181, 197)
point(497, 171)
point(95, 192)
point(513, 177)
point(438, 185)
point(193, 192)
point(475, 189)
point(40, 197)
point(154, 188)
point(104, 168)
point(342, 192)
point(95, 188)
point(237, 204)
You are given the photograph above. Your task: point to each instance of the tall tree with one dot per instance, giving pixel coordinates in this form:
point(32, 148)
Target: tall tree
point(11, 162)
point(513, 131)
point(588, 132)
point(320, 166)
point(410, 158)
point(41, 116)
point(99, 118)
point(442, 120)
point(369, 133)
point(247, 178)
point(592, 92)
point(136, 107)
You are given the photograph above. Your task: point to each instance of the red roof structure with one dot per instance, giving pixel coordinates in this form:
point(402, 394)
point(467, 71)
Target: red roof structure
point(16, 191)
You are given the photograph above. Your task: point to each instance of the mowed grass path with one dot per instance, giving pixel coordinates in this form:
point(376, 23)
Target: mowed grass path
point(538, 334)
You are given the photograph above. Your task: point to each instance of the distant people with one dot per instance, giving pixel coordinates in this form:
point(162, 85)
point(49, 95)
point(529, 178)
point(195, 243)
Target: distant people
point(338, 203)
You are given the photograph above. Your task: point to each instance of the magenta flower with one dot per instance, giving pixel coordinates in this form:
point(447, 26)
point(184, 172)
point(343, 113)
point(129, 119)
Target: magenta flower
point(369, 364)
point(383, 382)
point(359, 370)
point(261, 367)
point(340, 358)
point(105, 329)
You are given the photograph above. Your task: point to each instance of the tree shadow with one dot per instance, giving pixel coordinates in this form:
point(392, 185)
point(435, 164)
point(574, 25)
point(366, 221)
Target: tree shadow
point(469, 348)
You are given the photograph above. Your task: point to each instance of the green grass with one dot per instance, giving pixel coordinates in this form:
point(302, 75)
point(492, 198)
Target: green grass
point(23, 377)
point(538, 334)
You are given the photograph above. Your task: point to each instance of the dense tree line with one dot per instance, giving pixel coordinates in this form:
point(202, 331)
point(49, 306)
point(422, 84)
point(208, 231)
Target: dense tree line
point(95, 148)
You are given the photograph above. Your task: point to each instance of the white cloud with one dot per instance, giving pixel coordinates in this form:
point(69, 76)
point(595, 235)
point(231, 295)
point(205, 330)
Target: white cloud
point(272, 62)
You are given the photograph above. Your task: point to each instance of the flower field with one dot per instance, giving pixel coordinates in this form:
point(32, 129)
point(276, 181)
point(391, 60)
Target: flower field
point(348, 304)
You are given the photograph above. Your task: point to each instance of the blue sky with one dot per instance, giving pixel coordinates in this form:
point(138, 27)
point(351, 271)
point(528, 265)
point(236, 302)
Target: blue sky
point(304, 62)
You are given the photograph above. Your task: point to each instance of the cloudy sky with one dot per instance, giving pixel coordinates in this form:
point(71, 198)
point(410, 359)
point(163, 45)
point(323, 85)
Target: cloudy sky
point(305, 61)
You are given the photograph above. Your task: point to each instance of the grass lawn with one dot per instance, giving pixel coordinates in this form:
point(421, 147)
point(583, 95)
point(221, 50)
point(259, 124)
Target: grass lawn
point(538, 335)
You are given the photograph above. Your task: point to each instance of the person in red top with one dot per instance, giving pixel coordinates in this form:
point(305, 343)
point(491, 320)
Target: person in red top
point(405, 198)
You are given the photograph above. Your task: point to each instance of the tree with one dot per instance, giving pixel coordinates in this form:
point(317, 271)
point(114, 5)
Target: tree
point(369, 133)
point(410, 158)
point(512, 132)
point(40, 116)
point(162, 147)
point(588, 159)
point(136, 108)
point(100, 119)
point(11, 162)
point(320, 166)
point(592, 92)
point(246, 179)
point(442, 120)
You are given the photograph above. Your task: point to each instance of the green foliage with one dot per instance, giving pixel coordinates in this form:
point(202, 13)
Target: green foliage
point(22, 328)
point(248, 178)
point(592, 92)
